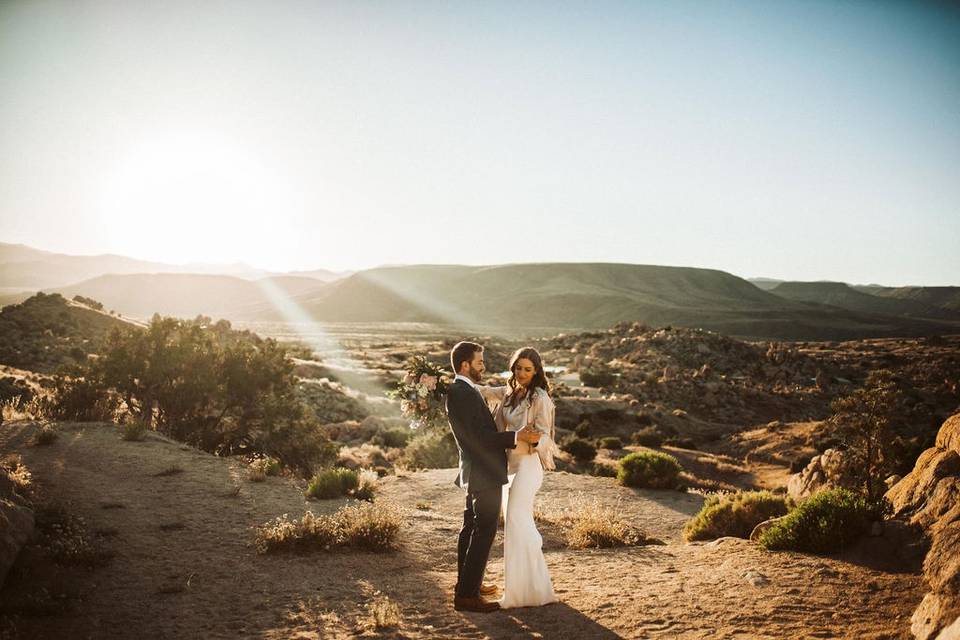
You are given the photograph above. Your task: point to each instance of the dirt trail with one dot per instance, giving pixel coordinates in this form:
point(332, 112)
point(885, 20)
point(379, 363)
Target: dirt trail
point(184, 566)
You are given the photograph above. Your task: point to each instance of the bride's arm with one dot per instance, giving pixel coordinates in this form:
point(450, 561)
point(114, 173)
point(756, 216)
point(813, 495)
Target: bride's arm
point(543, 414)
point(492, 394)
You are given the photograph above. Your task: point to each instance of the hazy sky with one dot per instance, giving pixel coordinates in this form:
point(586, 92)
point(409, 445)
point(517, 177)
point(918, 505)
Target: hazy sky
point(800, 140)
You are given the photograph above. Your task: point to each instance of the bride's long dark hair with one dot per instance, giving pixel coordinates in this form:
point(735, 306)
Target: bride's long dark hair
point(539, 380)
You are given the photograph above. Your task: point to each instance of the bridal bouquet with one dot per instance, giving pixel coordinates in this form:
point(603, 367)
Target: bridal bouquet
point(421, 393)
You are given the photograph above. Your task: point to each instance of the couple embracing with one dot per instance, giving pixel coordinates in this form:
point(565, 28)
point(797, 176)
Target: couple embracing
point(511, 446)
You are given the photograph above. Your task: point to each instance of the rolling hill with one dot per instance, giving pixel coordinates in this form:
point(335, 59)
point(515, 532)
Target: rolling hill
point(843, 295)
point(943, 297)
point(579, 295)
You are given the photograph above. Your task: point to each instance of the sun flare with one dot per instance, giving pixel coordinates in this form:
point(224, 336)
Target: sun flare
point(196, 197)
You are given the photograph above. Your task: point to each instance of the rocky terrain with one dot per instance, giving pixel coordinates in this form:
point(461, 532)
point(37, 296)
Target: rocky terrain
point(166, 548)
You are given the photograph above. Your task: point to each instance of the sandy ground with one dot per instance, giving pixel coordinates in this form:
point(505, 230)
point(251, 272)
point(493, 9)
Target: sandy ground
point(183, 565)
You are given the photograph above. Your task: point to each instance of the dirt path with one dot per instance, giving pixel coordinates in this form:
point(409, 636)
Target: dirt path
point(183, 565)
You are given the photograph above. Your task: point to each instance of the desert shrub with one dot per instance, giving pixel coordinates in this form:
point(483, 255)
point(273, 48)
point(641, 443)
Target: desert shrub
point(598, 375)
point(332, 483)
point(611, 443)
point(366, 526)
point(649, 469)
point(603, 470)
point(67, 539)
point(431, 450)
point(680, 443)
point(371, 526)
point(396, 437)
point(312, 532)
point(366, 487)
point(734, 514)
point(864, 422)
point(644, 419)
point(596, 526)
point(80, 399)
point(261, 467)
point(365, 456)
point(384, 613)
point(583, 429)
point(580, 449)
point(648, 437)
point(45, 435)
point(133, 430)
point(827, 521)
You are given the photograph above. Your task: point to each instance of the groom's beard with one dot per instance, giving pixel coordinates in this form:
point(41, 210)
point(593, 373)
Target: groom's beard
point(475, 375)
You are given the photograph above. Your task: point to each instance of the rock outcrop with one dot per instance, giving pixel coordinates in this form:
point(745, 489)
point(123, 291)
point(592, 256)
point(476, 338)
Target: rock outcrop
point(930, 496)
point(826, 471)
point(16, 521)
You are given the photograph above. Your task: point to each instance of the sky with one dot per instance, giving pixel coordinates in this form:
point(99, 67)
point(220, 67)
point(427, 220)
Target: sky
point(804, 140)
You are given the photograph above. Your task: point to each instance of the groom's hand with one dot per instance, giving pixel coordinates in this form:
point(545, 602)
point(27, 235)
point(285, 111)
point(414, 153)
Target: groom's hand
point(529, 434)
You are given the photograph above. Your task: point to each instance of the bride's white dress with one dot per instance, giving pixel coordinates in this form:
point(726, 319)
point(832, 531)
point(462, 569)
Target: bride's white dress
point(526, 579)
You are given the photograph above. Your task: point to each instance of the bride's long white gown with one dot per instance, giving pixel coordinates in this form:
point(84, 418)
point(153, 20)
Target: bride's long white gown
point(526, 579)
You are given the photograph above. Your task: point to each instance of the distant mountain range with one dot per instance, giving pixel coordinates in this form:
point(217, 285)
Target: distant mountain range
point(526, 298)
point(24, 268)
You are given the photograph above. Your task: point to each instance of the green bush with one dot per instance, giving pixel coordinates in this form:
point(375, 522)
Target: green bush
point(603, 470)
point(827, 521)
point(332, 483)
point(80, 399)
point(648, 437)
point(580, 449)
point(134, 431)
point(597, 376)
point(45, 435)
point(734, 514)
point(397, 437)
point(649, 469)
point(431, 450)
point(611, 443)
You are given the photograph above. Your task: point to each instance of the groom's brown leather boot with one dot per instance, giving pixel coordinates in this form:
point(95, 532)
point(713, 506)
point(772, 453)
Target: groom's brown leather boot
point(478, 604)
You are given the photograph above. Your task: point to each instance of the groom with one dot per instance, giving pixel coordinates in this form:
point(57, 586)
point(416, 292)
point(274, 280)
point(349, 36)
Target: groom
point(483, 472)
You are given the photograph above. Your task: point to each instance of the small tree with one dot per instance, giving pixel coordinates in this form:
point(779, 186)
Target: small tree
point(863, 422)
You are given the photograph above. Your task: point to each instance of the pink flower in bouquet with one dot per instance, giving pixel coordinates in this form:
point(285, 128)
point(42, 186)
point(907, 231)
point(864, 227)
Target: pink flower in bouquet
point(430, 382)
point(423, 404)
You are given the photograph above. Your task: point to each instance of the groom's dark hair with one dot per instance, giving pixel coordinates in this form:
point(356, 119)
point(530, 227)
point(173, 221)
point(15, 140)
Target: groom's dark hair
point(463, 352)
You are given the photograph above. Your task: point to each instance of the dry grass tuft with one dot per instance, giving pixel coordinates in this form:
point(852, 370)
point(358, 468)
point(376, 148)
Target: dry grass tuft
point(365, 526)
point(593, 525)
point(384, 613)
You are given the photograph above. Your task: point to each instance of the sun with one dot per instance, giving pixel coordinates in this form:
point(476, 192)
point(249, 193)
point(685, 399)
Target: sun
point(196, 196)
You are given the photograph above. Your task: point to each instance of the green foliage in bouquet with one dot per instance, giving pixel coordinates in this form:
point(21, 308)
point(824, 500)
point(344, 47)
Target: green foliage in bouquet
point(421, 393)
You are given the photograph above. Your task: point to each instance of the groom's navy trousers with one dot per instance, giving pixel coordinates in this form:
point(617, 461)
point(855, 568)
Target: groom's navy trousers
point(483, 472)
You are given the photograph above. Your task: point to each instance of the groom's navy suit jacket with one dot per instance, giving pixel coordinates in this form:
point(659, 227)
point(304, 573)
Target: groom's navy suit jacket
point(483, 456)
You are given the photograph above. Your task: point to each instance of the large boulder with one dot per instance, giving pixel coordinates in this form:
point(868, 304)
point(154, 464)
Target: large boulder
point(16, 522)
point(930, 497)
point(825, 471)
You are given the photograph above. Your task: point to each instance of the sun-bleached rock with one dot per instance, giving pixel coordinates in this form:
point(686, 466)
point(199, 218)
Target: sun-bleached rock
point(930, 497)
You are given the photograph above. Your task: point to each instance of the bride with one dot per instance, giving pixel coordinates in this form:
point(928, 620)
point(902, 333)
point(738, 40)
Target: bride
point(524, 401)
